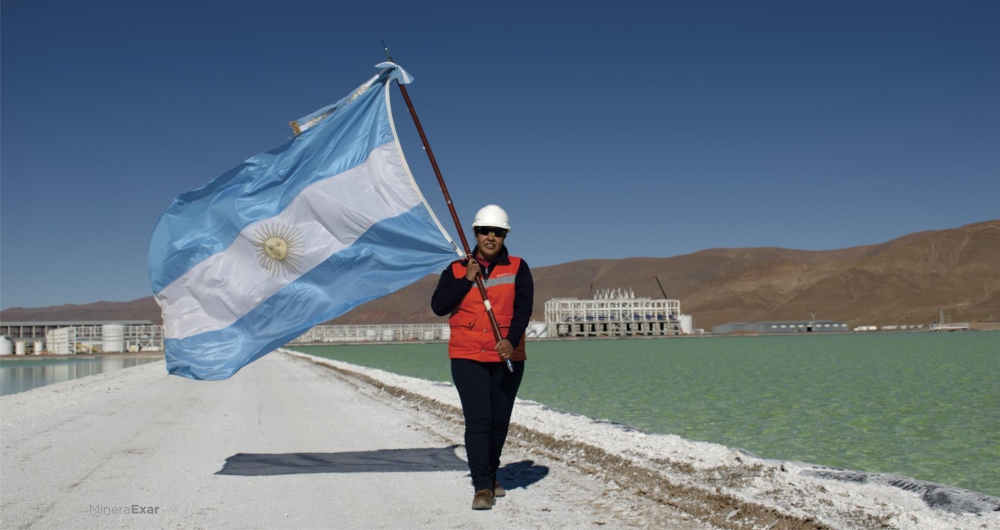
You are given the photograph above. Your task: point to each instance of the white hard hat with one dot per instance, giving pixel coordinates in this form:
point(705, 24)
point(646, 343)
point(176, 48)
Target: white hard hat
point(491, 215)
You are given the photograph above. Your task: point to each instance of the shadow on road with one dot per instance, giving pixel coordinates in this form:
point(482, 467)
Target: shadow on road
point(384, 461)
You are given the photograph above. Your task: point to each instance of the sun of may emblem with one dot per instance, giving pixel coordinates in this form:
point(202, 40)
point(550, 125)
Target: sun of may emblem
point(279, 248)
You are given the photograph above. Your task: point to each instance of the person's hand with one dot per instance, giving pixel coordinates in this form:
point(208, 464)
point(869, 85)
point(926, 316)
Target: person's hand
point(505, 349)
point(472, 269)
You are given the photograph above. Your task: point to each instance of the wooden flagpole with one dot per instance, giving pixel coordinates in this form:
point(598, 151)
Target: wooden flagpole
point(451, 208)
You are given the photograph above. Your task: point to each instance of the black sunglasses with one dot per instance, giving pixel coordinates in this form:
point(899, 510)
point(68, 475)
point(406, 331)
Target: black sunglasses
point(487, 230)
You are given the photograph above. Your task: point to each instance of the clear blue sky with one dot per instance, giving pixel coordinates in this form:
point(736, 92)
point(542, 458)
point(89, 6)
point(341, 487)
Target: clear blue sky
point(607, 130)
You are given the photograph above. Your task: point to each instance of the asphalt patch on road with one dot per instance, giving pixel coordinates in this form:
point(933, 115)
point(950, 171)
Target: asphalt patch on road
point(383, 461)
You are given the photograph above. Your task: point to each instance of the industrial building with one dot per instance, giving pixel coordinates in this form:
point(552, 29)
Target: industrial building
point(375, 333)
point(615, 313)
point(611, 313)
point(73, 336)
point(794, 326)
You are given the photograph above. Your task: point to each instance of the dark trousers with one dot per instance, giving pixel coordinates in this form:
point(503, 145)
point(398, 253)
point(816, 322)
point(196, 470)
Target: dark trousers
point(487, 391)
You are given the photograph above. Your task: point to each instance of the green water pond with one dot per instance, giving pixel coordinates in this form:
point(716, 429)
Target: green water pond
point(923, 405)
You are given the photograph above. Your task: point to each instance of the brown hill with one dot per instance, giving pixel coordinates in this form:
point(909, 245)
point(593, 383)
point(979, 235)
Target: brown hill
point(904, 281)
point(140, 309)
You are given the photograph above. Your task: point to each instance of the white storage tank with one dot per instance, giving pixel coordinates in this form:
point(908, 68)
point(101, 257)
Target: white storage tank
point(429, 335)
point(61, 341)
point(446, 333)
point(19, 347)
point(6, 346)
point(37, 349)
point(114, 338)
point(687, 324)
point(537, 330)
point(371, 335)
point(388, 335)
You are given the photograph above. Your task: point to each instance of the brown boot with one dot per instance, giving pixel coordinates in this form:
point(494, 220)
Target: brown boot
point(498, 490)
point(483, 500)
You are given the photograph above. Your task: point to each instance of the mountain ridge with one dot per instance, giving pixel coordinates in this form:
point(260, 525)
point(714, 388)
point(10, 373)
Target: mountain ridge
point(906, 280)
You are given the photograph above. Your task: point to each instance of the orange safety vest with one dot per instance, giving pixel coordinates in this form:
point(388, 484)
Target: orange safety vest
point(471, 335)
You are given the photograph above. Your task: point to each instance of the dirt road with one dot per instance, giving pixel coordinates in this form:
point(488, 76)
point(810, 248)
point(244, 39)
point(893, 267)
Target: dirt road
point(137, 448)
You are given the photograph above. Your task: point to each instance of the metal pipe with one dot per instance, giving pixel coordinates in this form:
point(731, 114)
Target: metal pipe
point(661, 286)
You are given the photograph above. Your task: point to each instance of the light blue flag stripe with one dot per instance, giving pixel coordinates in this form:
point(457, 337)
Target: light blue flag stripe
point(341, 202)
point(206, 221)
point(392, 254)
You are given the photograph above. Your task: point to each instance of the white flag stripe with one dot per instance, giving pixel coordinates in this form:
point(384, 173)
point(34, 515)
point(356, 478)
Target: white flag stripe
point(406, 167)
point(328, 216)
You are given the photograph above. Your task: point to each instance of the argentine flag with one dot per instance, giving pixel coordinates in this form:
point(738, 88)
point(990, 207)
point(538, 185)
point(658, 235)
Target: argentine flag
point(293, 237)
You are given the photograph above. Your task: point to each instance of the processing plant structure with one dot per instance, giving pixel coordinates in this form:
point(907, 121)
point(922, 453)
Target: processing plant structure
point(615, 313)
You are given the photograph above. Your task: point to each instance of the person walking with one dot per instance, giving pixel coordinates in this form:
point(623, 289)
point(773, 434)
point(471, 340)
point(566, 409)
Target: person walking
point(485, 385)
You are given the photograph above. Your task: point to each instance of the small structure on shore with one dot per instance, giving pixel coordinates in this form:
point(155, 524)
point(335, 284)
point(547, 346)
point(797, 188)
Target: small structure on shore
point(942, 324)
point(786, 326)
